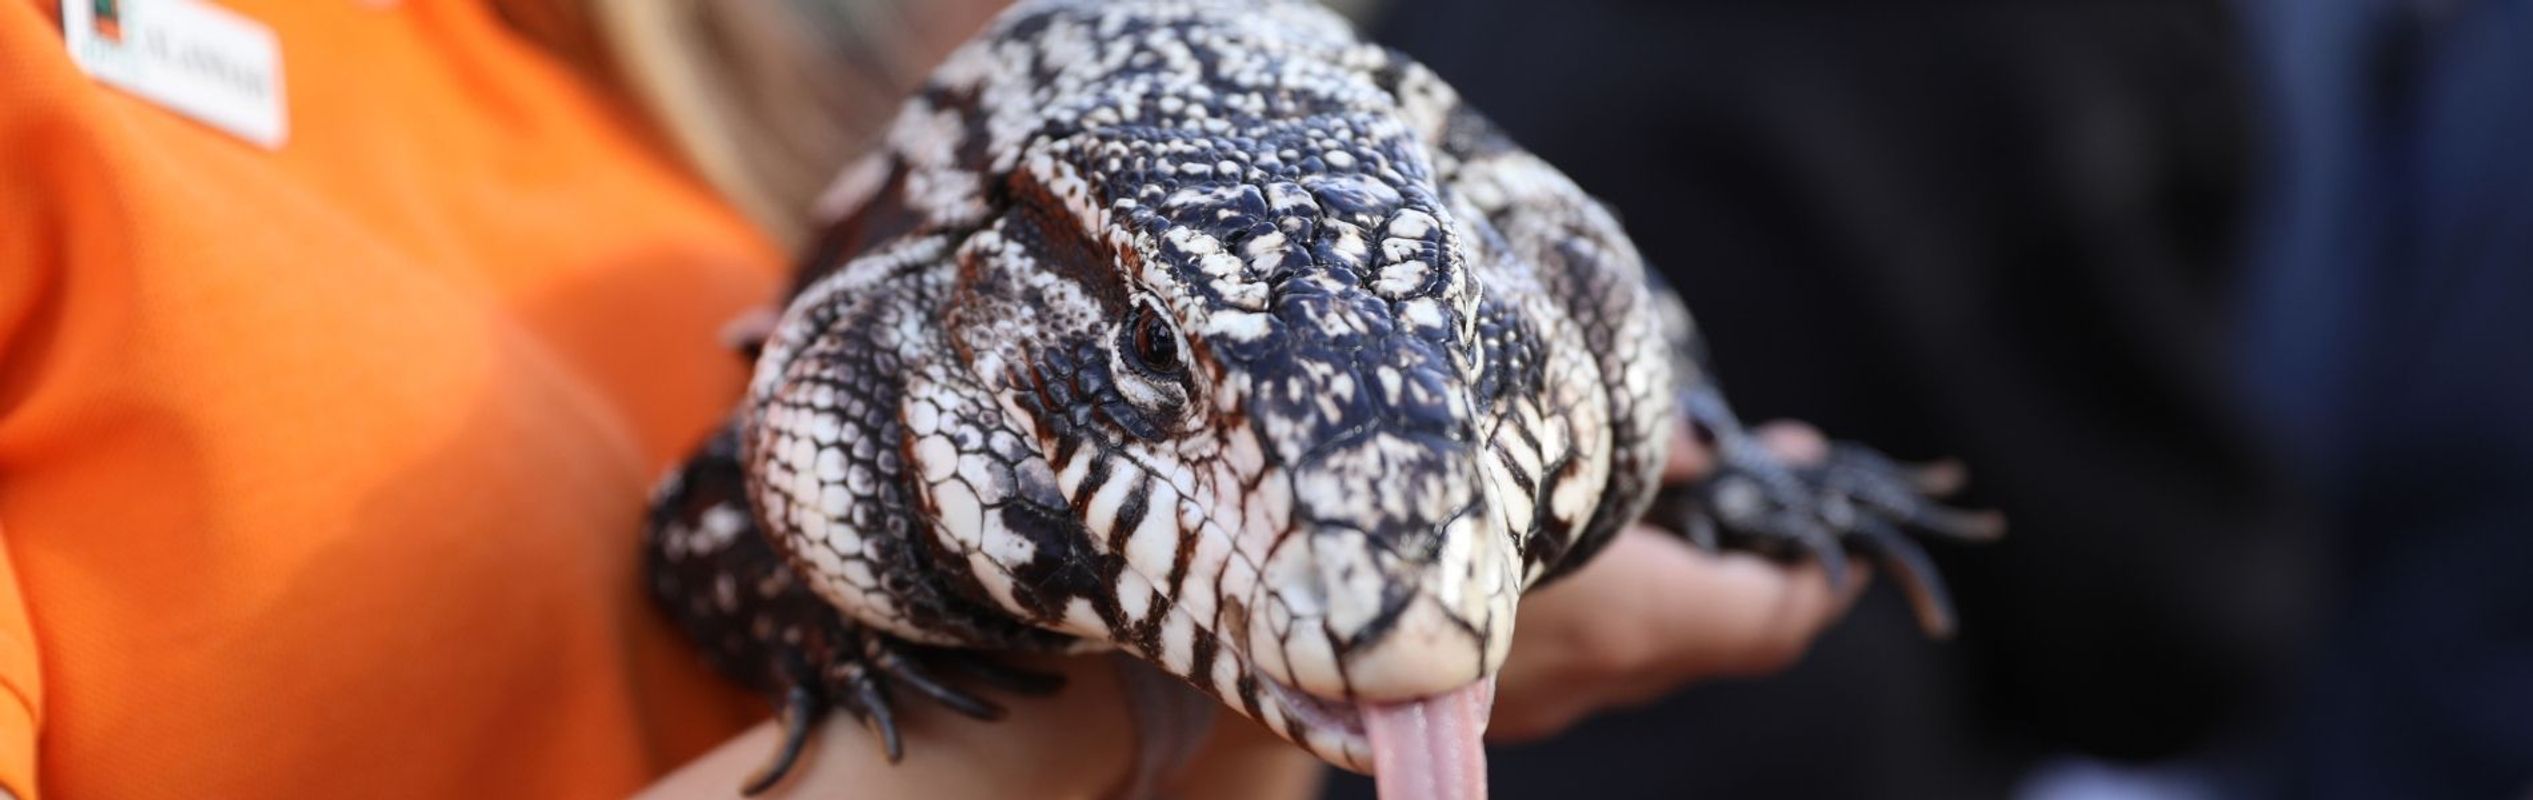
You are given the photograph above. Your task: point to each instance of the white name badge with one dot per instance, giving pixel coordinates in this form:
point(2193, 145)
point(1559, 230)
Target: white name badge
point(194, 58)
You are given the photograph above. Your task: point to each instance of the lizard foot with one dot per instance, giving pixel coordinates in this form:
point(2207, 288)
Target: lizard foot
point(861, 677)
point(1823, 502)
point(721, 580)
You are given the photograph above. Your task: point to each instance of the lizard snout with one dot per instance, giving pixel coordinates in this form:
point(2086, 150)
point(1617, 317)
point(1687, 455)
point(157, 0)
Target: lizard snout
point(1398, 581)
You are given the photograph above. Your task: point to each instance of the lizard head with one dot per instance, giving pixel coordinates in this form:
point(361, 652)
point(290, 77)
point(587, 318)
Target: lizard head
point(1254, 367)
point(1222, 388)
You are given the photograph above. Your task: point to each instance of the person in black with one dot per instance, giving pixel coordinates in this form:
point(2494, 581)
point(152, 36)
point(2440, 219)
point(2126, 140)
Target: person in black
point(2004, 232)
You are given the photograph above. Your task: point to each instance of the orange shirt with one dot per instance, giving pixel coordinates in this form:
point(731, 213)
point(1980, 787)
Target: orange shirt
point(321, 468)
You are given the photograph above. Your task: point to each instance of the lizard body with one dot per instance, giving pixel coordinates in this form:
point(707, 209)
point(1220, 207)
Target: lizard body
point(1207, 332)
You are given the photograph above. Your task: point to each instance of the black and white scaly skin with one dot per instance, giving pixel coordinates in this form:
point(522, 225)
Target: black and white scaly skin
point(1204, 331)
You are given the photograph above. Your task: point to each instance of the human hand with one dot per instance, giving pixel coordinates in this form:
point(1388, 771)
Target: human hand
point(1078, 742)
point(1653, 612)
point(1081, 742)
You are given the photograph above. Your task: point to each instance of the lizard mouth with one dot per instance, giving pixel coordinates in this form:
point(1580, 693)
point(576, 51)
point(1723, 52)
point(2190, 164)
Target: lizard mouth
point(1314, 712)
point(1421, 748)
point(1329, 727)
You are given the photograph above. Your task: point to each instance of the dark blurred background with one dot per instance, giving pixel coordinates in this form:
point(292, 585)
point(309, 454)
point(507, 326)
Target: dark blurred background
point(2228, 304)
point(2224, 303)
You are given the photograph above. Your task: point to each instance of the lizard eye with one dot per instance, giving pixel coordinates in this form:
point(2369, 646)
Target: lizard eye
point(1152, 342)
point(1149, 364)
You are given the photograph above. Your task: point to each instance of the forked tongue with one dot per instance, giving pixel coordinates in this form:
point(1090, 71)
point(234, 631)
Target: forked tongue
point(1429, 748)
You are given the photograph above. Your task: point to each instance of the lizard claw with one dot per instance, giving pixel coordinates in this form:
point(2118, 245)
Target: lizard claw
point(720, 578)
point(907, 671)
point(865, 670)
point(867, 701)
point(1852, 496)
point(1884, 488)
point(1915, 573)
point(799, 715)
point(1825, 549)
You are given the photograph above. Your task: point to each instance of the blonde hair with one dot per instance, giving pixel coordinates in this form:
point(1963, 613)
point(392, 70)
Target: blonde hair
point(767, 100)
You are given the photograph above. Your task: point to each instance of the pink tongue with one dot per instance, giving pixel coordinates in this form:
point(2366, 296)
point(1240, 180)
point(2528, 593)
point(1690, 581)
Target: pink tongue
point(1428, 748)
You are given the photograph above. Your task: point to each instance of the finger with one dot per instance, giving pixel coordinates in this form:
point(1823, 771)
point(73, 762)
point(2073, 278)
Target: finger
point(1796, 442)
point(1655, 604)
point(1709, 614)
point(1653, 614)
point(1690, 460)
point(1941, 478)
point(747, 332)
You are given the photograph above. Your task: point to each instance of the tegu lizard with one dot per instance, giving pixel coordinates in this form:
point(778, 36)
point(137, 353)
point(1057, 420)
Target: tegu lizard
point(1204, 331)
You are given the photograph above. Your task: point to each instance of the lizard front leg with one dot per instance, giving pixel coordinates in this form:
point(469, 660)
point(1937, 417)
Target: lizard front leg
point(845, 599)
point(720, 579)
